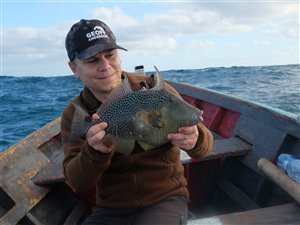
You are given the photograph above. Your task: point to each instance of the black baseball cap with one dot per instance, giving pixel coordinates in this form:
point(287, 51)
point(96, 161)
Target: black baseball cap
point(87, 38)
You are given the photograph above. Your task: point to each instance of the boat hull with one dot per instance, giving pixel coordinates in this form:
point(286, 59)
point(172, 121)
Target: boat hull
point(227, 186)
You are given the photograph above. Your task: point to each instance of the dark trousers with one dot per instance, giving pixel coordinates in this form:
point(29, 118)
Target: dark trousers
point(172, 211)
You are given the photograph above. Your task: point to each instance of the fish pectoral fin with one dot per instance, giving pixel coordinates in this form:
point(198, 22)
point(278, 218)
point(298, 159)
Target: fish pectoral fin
point(146, 146)
point(124, 146)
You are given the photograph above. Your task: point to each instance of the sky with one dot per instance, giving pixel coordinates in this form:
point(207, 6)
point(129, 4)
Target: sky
point(168, 34)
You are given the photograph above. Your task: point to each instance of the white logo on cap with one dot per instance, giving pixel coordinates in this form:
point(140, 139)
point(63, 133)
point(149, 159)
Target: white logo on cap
point(98, 32)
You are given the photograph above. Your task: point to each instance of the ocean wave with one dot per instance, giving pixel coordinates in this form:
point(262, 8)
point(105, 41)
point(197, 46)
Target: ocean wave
point(28, 103)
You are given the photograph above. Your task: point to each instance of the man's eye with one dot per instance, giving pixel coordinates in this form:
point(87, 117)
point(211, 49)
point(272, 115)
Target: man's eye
point(93, 60)
point(110, 55)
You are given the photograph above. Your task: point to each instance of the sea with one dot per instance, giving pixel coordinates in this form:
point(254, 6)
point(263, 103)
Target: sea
point(28, 103)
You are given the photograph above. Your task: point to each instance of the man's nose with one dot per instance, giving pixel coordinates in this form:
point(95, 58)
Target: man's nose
point(103, 64)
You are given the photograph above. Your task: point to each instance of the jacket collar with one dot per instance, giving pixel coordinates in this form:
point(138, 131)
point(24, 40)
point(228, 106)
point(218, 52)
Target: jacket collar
point(89, 100)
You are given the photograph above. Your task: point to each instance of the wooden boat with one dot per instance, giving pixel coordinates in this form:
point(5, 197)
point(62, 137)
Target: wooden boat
point(227, 187)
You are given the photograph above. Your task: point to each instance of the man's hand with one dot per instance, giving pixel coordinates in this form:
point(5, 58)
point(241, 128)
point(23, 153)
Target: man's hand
point(95, 136)
point(186, 138)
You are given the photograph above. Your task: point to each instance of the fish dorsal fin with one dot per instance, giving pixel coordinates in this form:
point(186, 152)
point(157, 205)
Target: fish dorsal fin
point(159, 81)
point(122, 90)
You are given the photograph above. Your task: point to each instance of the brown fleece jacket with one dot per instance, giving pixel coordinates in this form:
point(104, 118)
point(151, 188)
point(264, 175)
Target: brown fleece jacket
point(138, 180)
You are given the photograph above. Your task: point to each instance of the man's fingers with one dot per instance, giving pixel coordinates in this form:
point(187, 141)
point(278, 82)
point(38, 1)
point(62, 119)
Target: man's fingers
point(95, 116)
point(188, 130)
point(94, 130)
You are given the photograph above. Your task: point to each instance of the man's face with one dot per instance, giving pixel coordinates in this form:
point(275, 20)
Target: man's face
point(100, 73)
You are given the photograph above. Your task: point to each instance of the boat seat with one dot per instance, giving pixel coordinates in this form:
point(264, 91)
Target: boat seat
point(50, 174)
point(229, 147)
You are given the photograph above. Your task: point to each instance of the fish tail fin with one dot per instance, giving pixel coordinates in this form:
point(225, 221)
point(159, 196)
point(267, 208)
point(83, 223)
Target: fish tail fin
point(81, 122)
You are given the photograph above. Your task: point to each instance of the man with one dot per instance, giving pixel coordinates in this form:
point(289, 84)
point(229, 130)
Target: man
point(145, 187)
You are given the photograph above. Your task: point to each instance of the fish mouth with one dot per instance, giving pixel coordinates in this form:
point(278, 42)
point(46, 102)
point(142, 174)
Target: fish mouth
point(197, 117)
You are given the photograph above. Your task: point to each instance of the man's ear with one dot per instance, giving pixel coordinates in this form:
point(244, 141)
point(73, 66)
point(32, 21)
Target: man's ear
point(73, 67)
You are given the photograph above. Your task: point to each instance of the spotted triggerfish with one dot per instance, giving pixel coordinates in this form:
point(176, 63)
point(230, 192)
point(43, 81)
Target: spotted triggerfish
point(145, 116)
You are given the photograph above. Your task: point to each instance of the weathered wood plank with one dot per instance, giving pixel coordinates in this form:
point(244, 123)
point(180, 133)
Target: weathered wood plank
point(52, 173)
point(16, 177)
point(18, 165)
point(14, 214)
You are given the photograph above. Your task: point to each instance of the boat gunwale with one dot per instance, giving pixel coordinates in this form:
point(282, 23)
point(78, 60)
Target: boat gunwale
point(282, 120)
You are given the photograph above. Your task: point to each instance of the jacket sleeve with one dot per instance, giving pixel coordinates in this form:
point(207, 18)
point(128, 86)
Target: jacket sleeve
point(204, 143)
point(82, 165)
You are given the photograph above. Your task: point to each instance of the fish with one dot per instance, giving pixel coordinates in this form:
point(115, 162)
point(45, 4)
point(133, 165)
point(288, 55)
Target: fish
point(145, 116)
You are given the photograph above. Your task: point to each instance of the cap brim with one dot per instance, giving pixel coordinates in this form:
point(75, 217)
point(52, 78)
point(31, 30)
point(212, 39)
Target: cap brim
point(95, 49)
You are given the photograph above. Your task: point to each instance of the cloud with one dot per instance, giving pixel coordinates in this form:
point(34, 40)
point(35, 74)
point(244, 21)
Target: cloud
point(201, 18)
point(34, 51)
point(284, 28)
point(251, 13)
point(27, 40)
point(233, 45)
point(175, 21)
point(116, 17)
point(157, 32)
point(161, 30)
point(153, 43)
point(262, 43)
point(200, 44)
point(178, 21)
point(280, 18)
